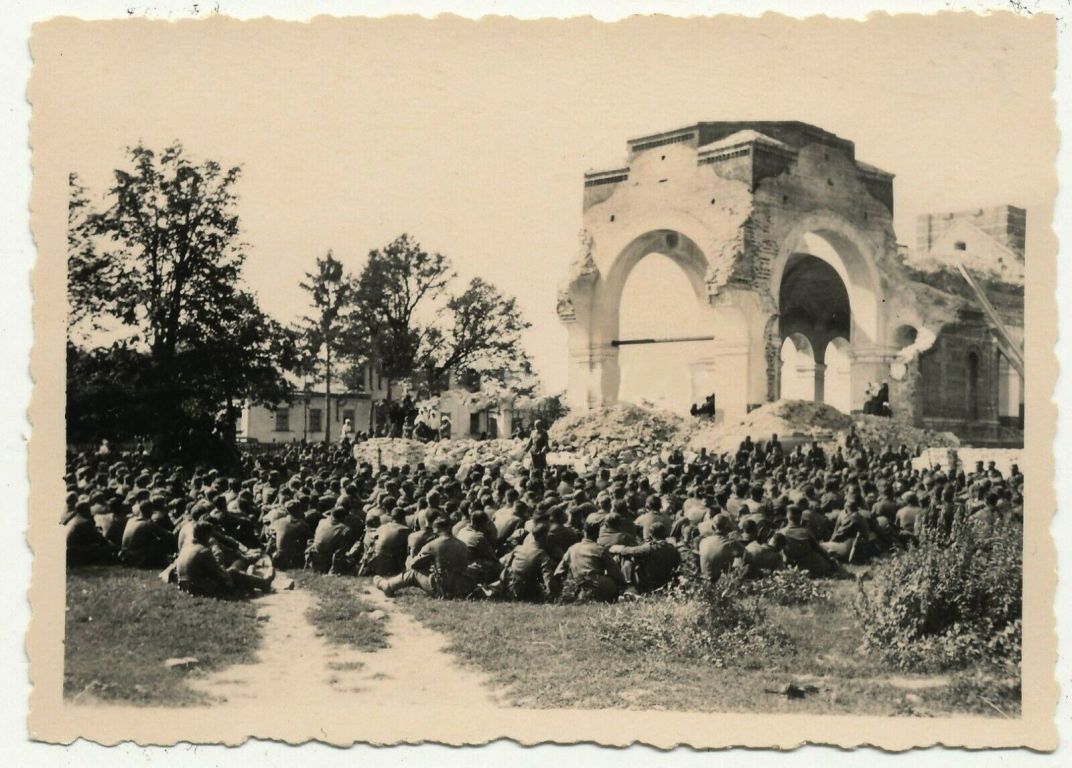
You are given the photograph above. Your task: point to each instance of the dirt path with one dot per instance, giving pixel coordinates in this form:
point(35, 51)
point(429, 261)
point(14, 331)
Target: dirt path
point(414, 671)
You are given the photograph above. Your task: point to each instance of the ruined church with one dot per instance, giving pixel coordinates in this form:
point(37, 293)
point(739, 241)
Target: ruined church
point(787, 241)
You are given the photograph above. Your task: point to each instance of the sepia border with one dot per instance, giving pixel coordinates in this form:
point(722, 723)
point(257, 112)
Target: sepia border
point(53, 720)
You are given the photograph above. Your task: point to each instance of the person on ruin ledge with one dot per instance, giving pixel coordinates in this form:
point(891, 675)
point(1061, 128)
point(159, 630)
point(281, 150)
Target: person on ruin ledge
point(707, 409)
point(882, 400)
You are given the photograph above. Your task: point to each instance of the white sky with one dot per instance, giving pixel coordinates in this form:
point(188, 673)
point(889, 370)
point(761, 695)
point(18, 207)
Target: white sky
point(475, 140)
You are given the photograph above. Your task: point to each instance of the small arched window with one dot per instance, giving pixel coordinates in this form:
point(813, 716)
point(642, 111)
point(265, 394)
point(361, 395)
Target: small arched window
point(973, 386)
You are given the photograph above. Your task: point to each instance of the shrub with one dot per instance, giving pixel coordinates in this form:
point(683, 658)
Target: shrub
point(717, 623)
point(789, 586)
point(950, 600)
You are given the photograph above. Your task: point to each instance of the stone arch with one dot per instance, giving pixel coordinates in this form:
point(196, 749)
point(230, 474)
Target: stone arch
point(678, 241)
point(671, 243)
point(833, 240)
point(829, 237)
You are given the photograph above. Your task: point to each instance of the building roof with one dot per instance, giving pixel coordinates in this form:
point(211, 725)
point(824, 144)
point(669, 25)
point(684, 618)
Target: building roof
point(747, 136)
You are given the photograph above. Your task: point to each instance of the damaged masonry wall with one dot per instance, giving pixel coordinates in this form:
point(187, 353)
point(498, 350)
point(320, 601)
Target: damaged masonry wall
point(739, 207)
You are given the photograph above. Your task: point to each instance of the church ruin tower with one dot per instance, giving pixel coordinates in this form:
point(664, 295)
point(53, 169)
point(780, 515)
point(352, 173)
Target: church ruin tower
point(782, 233)
point(787, 241)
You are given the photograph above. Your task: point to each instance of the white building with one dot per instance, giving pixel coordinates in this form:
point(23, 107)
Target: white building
point(307, 417)
point(309, 413)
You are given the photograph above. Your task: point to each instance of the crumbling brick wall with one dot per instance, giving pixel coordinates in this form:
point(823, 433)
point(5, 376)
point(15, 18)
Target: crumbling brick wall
point(947, 396)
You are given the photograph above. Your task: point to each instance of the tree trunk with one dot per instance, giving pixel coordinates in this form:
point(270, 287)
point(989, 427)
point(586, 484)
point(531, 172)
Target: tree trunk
point(387, 408)
point(327, 393)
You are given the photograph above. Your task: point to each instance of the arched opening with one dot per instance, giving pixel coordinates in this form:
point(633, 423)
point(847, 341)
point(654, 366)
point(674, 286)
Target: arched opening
point(654, 289)
point(838, 383)
point(813, 300)
point(813, 305)
point(973, 386)
point(827, 286)
point(658, 302)
point(905, 336)
point(798, 368)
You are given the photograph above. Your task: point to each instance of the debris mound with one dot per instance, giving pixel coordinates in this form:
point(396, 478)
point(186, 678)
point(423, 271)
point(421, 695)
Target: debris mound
point(794, 421)
point(467, 452)
point(396, 452)
point(617, 433)
point(391, 452)
point(877, 432)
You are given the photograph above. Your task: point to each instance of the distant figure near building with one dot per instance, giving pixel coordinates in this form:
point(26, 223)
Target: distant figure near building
point(539, 445)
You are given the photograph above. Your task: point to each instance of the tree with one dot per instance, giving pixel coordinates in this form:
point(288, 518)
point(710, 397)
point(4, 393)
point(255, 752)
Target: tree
point(241, 360)
point(163, 260)
point(417, 330)
point(396, 280)
point(83, 262)
point(481, 331)
point(331, 331)
point(107, 393)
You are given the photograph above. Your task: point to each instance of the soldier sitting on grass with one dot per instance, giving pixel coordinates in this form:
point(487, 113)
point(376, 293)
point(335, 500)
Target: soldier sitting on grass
point(440, 569)
point(198, 572)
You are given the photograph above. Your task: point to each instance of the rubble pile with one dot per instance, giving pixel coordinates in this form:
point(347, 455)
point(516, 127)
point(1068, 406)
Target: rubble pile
point(467, 452)
point(794, 421)
point(395, 452)
point(877, 432)
point(618, 433)
point(391, 452)
point(641, 436)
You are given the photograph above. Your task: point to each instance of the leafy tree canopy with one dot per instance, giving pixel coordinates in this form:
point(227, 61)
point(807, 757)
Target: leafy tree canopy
point(161, 258)
point(419, 329)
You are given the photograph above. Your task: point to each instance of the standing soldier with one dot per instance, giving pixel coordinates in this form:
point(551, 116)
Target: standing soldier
point(539, 445)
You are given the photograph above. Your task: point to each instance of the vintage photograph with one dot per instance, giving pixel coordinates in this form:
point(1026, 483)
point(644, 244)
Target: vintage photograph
point(674, 380)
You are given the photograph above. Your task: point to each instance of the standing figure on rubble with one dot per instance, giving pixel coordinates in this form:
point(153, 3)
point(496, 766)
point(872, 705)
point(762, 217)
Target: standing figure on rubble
point(539, 445)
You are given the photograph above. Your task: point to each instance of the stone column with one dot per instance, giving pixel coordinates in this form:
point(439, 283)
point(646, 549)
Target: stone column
point(506, 414)
point(820, 382)
point(594, 377)
point(606, 376)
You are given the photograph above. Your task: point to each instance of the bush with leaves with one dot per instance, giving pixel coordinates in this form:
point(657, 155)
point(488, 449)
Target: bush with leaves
point(718, 623)
point(789, 586)
point(951, 600)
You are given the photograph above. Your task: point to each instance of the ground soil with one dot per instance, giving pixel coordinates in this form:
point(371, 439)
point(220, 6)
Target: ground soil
point(294, 657)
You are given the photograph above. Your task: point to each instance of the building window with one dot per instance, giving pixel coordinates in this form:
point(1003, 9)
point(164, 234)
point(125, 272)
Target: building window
point(348, 414)
point(315, 420)
point(960, 245)
point(282, 419)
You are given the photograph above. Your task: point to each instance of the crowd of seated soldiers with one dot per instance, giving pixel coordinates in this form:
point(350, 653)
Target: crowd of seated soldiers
point(516, 533)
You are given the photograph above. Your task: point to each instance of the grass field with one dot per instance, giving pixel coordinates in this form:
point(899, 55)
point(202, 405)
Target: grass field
point(553, 656)
point(340, 614)
point(123, 624)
